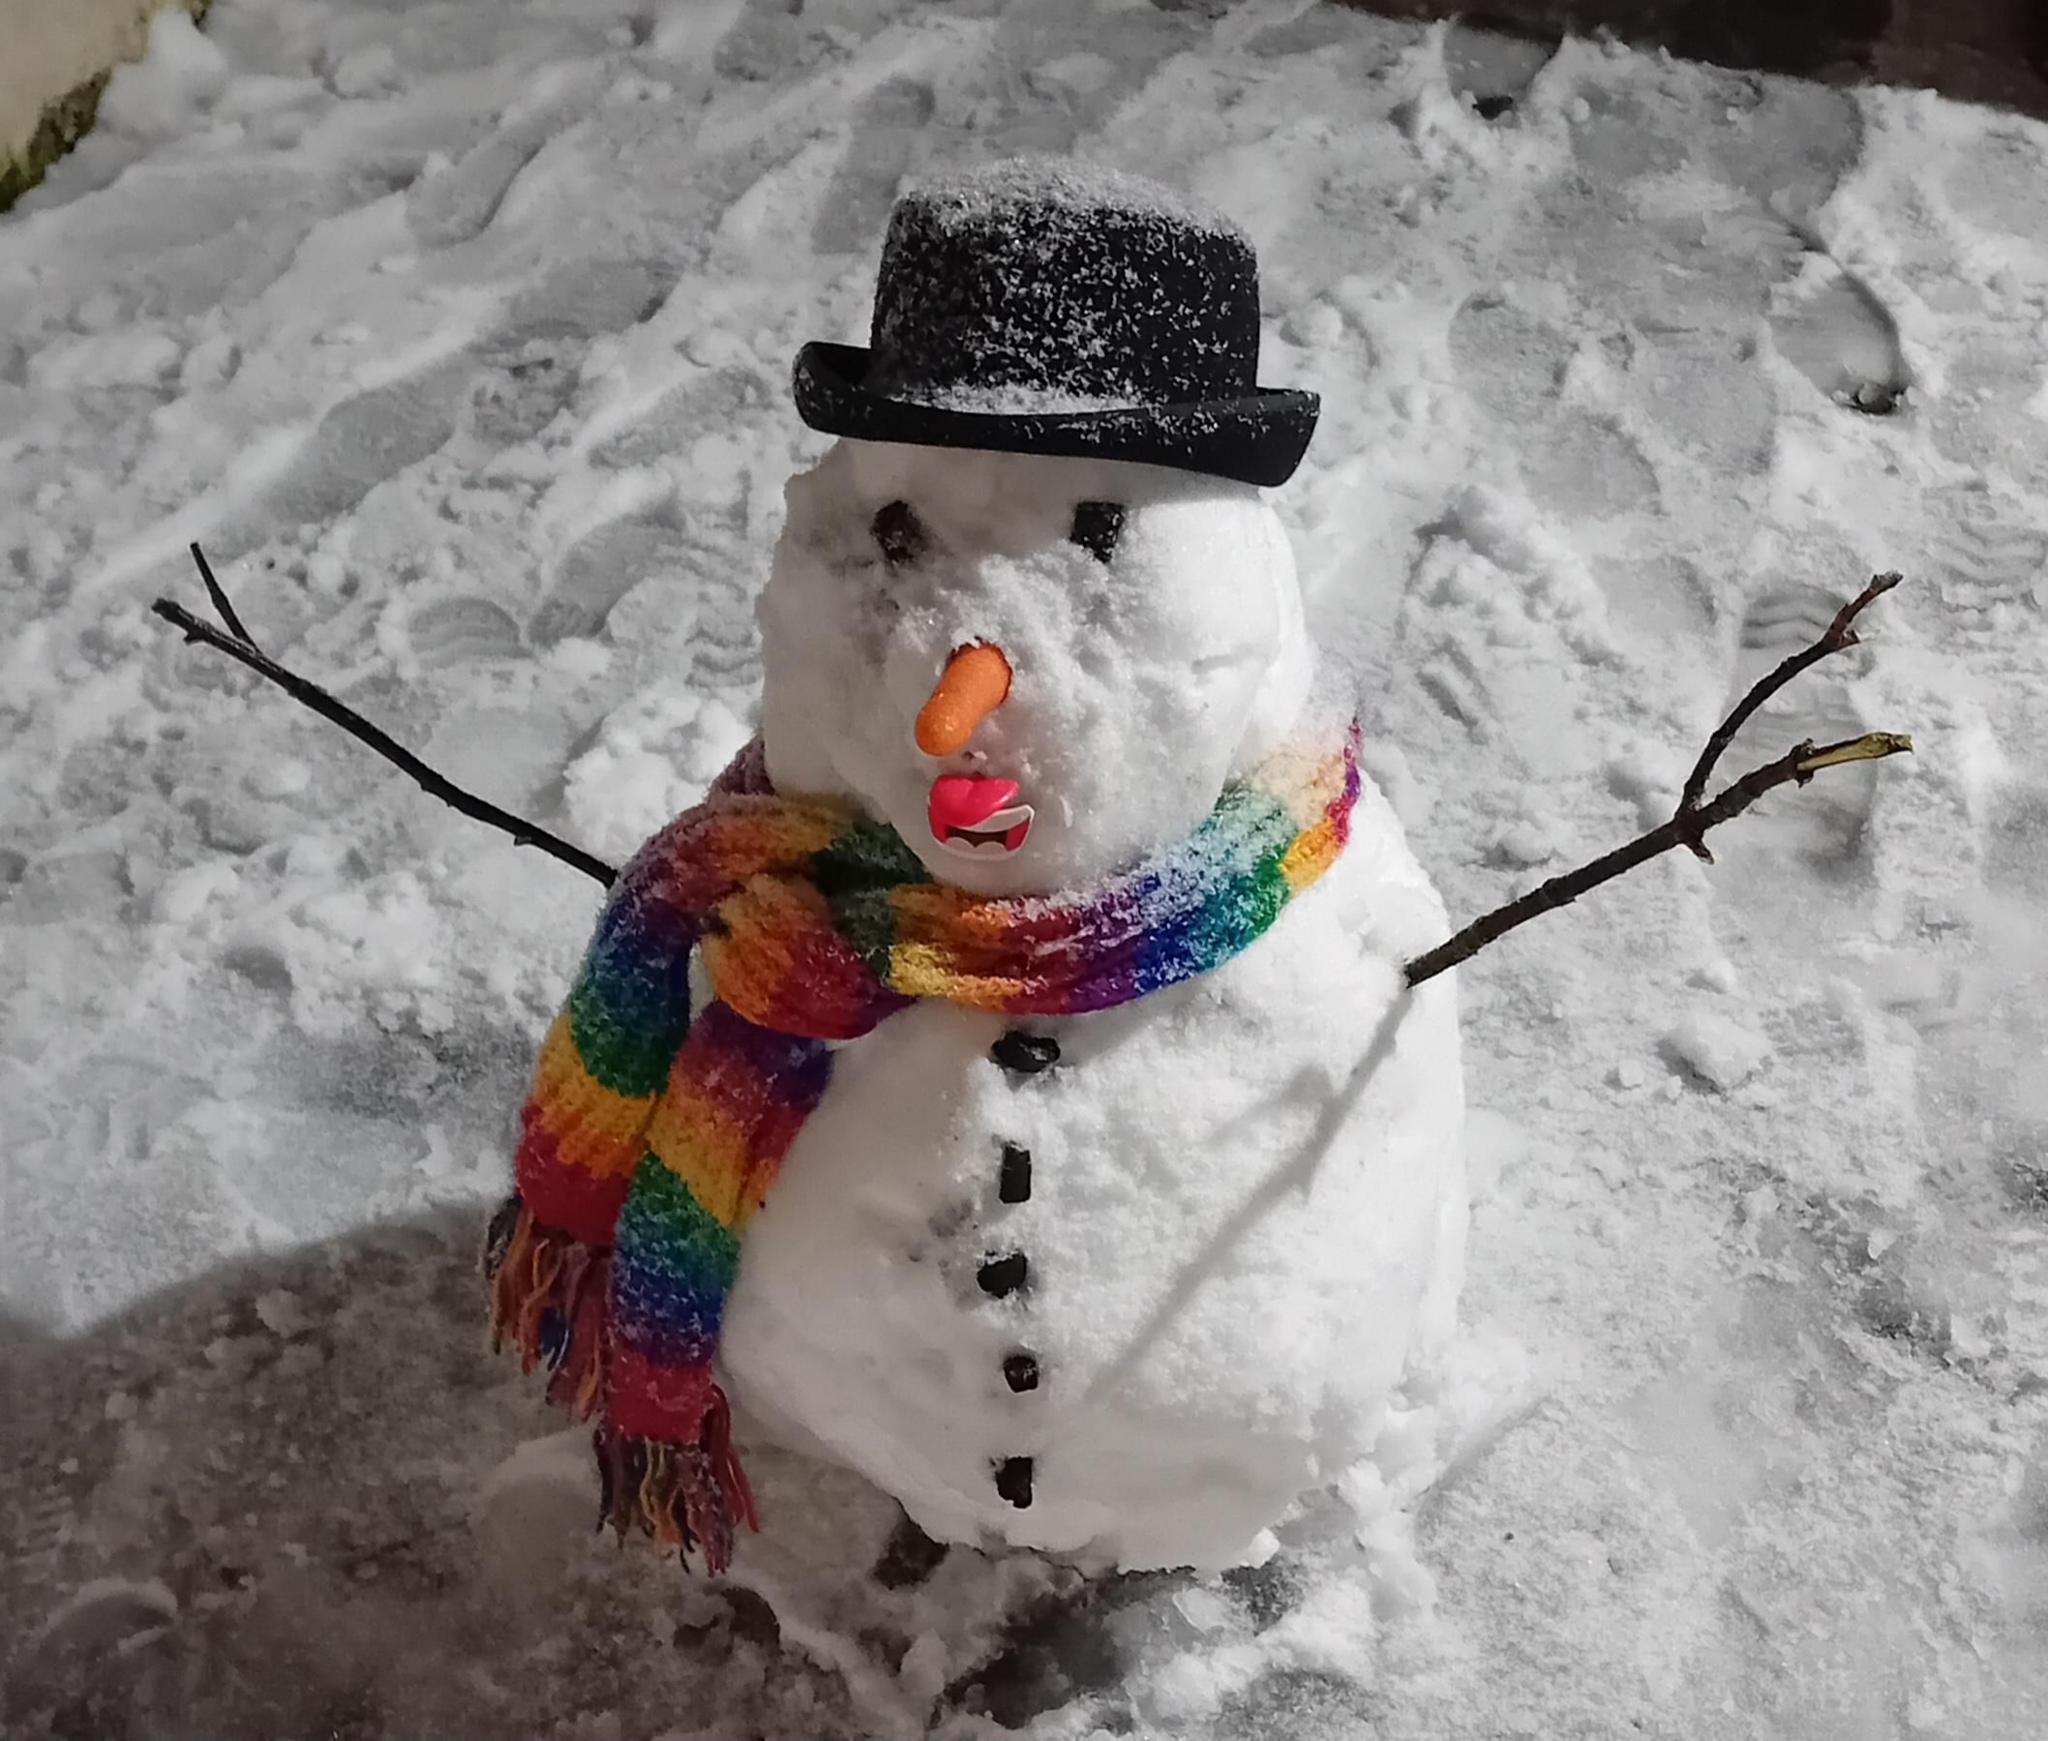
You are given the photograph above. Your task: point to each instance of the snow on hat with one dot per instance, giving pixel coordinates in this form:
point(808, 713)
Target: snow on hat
point(1056, 308)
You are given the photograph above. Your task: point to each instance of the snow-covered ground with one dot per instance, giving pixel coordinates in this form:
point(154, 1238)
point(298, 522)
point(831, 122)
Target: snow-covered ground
point(459, 334)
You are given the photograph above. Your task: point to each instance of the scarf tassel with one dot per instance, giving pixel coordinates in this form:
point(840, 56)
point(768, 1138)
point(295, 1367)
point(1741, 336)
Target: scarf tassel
point(685, 1496)
point(548, 1300)
point(548, 1295)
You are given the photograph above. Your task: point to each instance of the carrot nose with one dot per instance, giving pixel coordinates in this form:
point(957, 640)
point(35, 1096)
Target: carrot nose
point(972, 687)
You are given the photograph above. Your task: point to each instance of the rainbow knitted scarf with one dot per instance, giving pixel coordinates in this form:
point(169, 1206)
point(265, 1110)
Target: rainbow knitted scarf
point(652, 1133)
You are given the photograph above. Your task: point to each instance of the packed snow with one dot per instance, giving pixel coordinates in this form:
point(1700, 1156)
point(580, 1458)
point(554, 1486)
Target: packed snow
point(460, 337)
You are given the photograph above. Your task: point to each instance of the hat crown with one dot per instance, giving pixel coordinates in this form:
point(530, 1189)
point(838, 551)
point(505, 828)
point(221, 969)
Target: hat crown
point(1050, 286)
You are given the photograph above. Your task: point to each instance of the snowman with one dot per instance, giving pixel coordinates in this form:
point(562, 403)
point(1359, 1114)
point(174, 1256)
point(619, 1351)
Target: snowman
point(970, 1088)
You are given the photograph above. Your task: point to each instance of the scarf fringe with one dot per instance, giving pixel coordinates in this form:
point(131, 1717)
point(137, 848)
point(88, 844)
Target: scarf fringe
point(685, 1496)
point(548, 1299)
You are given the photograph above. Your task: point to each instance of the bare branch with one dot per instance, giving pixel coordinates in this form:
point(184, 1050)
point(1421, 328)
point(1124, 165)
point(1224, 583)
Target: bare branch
point(239, 646)
point(1797, 766)
point(1839, 635)
point(224, 610)
point(1688, 824)
point(1692, 818)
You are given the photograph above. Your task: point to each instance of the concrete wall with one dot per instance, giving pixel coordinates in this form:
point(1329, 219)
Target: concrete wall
point(54, 59)
point(1986, 51)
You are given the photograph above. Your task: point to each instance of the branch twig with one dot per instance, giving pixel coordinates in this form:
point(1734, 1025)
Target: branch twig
point(239, 645)
point(1693, 817)
point(1839, 634)
point(222, 608)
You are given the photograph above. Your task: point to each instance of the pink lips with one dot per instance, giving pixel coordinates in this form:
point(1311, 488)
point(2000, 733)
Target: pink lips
point(978, 814)
point(966, 800)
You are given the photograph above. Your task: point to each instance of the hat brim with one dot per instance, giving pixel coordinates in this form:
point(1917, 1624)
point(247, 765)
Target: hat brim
point(1258, 438)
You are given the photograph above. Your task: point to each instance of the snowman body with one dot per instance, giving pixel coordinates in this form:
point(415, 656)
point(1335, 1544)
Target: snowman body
point(1129, 1304)
point(1121, 1285)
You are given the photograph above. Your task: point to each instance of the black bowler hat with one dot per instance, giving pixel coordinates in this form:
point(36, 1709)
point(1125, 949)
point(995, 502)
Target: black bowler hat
point(1054, 308)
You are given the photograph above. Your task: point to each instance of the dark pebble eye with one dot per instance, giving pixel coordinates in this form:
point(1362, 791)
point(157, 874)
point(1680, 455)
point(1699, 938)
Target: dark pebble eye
point(899, 533)
point(1097, 526)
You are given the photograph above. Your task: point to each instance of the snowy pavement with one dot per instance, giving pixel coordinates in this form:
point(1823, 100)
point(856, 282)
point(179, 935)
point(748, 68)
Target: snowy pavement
point(459, 334)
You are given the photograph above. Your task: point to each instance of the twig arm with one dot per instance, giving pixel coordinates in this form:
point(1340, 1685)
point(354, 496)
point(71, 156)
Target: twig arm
point(239, 646)
point(1686, 827)
point(1693, 817)
point(1797, 766)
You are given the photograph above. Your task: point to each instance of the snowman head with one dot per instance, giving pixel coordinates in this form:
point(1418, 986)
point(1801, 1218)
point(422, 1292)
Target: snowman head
point(1037, 670)
point(1032, 610)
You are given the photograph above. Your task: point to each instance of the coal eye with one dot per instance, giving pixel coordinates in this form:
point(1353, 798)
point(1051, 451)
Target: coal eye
point(899, 533)
point(1097, 526)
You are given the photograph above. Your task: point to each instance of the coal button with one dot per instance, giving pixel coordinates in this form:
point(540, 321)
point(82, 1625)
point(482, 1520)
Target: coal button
point(1020, 1372)
point(1013, 1480)
point(1025, 1054)
point(1013, 1183)
point(1003, 1275)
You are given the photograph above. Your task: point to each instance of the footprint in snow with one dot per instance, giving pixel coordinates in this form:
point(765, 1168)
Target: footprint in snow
point(1660, 594)
point(2002, 184)
point(523, 381)
point(719, 401)
point(590, 297)
point(106, 1616)
point(1510, 361)
point(1785, 143)
point(1832, 328)
point(1492, 68)
point(459, 203)
point(527, 370)
point(764, 43)
point(1986, 550)
point(1822, 824)
point(1987, 417)
point(1588, 467)
point(1513, 364)
point(102, 1634)
point(598, 572)
point(1317, 27)
point(1060, 73)
point(465, 630)
point(363, 441)
point(886, 128)
point(1795, 871)
point(1999, 1059)
point(39, 1524)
